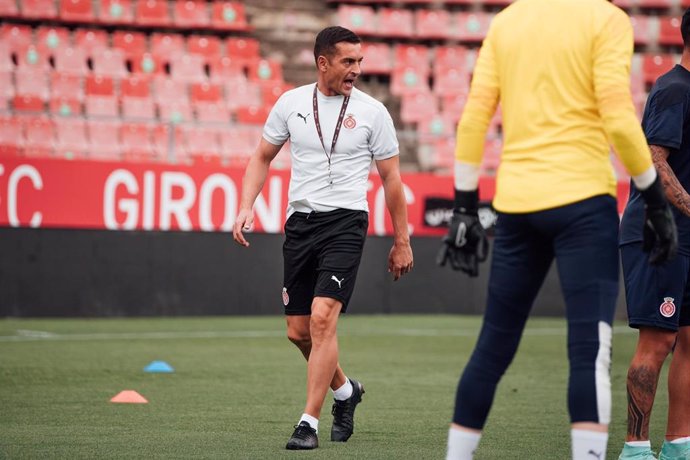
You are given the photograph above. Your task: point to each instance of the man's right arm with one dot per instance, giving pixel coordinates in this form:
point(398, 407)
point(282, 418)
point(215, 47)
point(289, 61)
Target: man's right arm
point(253, 182)
point(675, 193)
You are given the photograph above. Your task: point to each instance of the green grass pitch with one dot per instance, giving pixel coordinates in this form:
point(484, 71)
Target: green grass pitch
point(239, 387)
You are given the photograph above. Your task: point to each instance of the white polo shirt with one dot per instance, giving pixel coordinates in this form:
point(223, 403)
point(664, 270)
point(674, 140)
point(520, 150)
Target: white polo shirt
point(367, 133)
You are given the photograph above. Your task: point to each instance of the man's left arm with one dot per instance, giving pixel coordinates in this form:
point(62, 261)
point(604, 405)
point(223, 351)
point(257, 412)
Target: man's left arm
point(400, 259)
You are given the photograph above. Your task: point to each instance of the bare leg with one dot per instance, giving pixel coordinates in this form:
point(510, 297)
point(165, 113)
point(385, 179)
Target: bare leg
point(678, 383)
point(653, 347)
point(299, 334)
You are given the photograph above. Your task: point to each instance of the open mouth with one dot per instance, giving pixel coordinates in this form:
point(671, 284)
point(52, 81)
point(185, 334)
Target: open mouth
point(349, 83)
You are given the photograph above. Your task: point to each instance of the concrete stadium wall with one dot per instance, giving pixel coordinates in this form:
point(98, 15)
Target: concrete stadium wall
point(81, 273)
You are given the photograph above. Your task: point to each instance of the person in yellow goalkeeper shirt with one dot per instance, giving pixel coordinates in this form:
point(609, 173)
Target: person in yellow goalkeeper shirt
point(561, 71)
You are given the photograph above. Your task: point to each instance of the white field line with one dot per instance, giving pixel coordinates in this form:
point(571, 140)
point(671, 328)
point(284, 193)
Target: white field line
point(44, 336)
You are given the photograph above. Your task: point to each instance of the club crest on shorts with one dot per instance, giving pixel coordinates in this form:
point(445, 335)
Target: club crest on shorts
point(286, 297)
point(667, 308)
point(349, 122)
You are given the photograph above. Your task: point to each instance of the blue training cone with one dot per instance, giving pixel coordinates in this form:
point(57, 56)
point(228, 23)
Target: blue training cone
point(159, 367)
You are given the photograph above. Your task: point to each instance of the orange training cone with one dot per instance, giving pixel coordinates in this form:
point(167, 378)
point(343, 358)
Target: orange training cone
point(129, 396)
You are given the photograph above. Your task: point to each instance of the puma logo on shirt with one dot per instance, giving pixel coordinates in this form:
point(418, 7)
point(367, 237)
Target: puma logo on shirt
point(337, 280)
point(303, 117)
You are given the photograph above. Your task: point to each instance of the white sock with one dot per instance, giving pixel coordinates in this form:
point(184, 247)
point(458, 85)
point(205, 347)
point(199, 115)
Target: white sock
point(312, 421)
point(587, 444)
point(462, 444)
point(680, 440)
point(344, 392)
point(646, 443)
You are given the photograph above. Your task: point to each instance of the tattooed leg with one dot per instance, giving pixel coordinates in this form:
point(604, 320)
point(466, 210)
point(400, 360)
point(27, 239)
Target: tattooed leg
point(643, 375)
point(678, 384)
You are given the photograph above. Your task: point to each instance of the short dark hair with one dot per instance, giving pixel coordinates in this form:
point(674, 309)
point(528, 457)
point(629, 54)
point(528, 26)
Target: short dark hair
point(685, 28)
point(329, 37)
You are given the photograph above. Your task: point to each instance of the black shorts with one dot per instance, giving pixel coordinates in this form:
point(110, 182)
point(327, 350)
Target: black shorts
point(656, 296)
point(321, 255)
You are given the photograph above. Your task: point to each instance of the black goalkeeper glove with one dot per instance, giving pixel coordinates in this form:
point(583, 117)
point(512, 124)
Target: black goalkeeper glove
point(660, 236)
point(466, 244)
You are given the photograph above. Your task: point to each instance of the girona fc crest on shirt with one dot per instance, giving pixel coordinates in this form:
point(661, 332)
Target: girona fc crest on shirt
point(667, 308)
point(349, 122)
point(286, 297)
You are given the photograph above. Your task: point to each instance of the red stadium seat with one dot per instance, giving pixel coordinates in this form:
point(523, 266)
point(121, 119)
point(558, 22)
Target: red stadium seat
point(205, 92)
point(188, 68)
point(202, 144)
point(417, 107)
point(141, 108)
point(212, 112)
point(167, 89)
point(471, 27)
point(152, 13)
point(66, 94)
point(253, 115)
point(110, 63)
point(11, 136)
point(102, 106)
point(245, 49)
point(135, 142)
point(33, 60)
point(32, 83)
point(265, 70)
point(115, 11)
point(99, 85)
point(271, 91)
point(378, 58)
point(395, 23)
point(238, 143)
point(433, 24)
point(70, 61)
point(434, 127)
point(451, 81)
point(104, 139)
point(416, 56)
point(175, 111)
point(8, 9)
point(450, 57)
point(656, 4)
point(226, 69)
point(49, 39)
point(130, 43)
point(229, 16)
point(208, 46)
point(644, 34)
point(92, 41)
point(167, 46)
point(38, 9)
point(358, 18)
point(17, 37)
point(65, 106)
point(77, 10)
point(452, 106)
point(26, 103)
point(669, 31)
point(66, 85)
point(238, 94)
point(191, 13)
point(409, 80)
point(654, 65)
point(39, 136)
point(147, 65)
point(70, 134)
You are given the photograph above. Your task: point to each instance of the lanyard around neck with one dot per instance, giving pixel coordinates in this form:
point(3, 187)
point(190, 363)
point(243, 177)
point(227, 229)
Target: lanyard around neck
point(338, 125)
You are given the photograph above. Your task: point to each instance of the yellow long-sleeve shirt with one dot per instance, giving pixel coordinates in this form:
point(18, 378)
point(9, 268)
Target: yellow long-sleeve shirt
point(561, 71)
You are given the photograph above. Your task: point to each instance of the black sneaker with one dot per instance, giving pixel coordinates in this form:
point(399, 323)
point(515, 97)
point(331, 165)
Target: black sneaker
point(344, 414)
point(303, 438)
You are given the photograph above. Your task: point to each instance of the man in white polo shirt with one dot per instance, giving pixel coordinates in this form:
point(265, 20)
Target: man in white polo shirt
point(335, 130)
